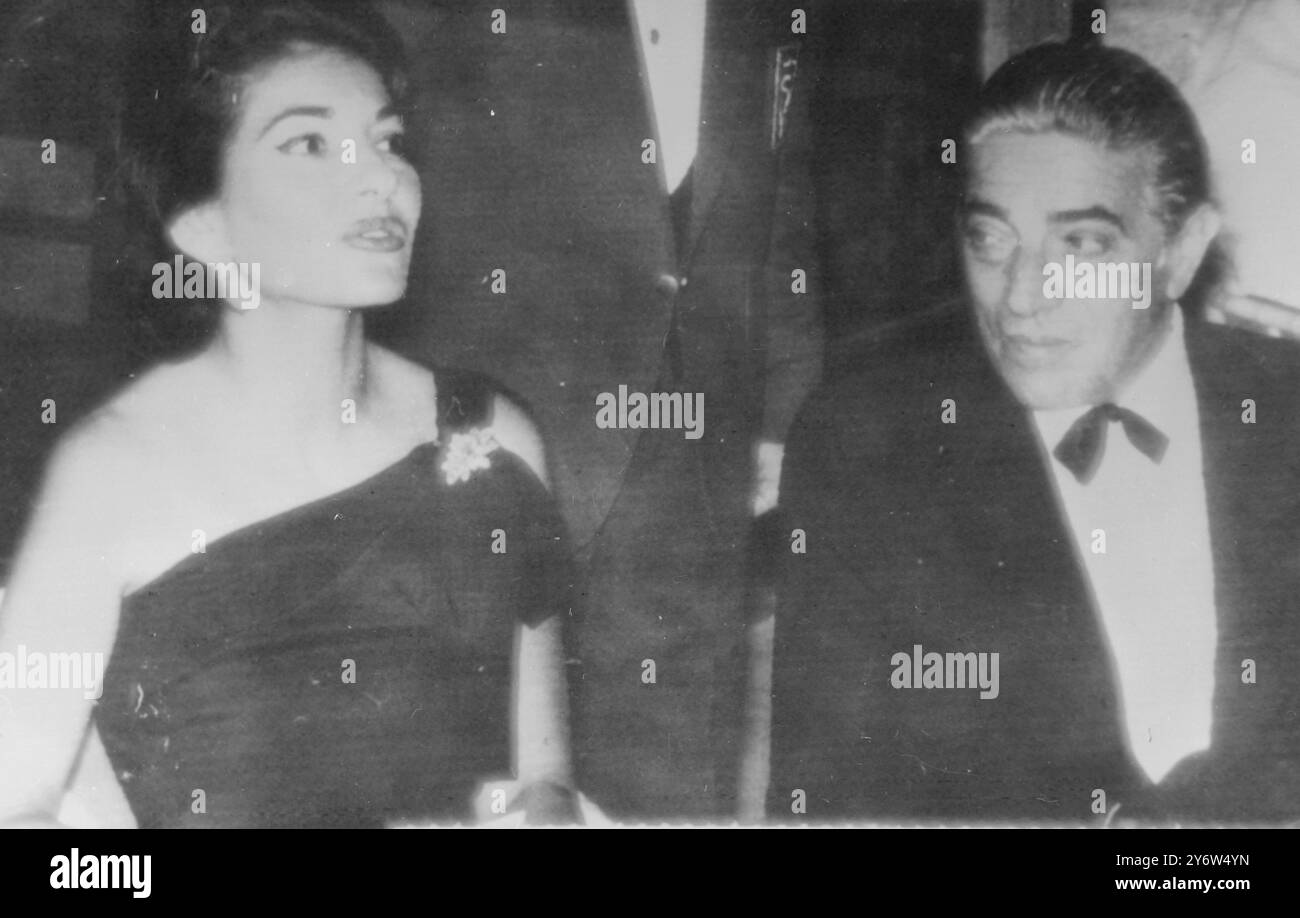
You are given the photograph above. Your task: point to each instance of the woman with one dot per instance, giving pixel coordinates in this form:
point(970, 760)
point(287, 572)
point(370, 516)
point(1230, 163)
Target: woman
point(324, 578)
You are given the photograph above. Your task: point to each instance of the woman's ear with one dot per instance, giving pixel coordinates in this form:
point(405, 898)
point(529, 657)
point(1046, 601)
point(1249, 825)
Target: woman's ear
point(199, 232)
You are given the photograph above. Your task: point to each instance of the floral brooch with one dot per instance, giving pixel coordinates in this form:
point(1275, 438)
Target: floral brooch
point(468, 452)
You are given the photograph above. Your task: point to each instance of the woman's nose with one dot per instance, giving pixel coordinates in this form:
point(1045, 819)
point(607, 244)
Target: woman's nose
point(378, 174)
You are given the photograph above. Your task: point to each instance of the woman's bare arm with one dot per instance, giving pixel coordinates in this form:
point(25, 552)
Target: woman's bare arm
point(94, 798)
point(541, 715)
point(543, 763)
point(63, 599)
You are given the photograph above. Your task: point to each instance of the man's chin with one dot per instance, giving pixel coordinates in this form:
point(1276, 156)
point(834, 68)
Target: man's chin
point(1046, 392)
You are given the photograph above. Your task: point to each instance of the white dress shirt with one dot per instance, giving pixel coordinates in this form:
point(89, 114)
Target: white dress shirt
point(1154, 585)
point(671, 38)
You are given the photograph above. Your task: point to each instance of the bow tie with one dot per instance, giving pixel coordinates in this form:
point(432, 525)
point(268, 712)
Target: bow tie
point(1083, 445)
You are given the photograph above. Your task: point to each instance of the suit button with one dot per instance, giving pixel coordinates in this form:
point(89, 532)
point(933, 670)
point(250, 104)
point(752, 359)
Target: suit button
point(670, 284)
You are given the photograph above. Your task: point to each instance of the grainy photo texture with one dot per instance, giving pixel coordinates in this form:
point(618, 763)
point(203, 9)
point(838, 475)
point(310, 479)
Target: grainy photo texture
point(627, 412)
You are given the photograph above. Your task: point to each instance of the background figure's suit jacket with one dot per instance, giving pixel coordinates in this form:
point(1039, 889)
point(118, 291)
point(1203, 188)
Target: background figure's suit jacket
point(532, 162)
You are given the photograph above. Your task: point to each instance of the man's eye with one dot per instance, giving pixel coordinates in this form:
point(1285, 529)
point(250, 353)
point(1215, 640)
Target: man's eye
point(1088, 244)
point(989, 243)
point(305, 145)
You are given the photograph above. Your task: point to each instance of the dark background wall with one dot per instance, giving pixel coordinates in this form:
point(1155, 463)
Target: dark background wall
point(58, 226)
point(893, 81)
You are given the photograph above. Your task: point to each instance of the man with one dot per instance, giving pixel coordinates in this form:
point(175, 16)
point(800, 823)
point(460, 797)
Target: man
point(1051, 551)
point(620, 207)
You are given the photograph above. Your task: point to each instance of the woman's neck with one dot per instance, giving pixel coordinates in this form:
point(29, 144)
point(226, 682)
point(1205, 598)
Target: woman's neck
point(294, 364)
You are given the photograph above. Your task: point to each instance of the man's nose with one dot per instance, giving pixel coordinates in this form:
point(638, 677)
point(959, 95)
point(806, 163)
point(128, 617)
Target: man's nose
point(1024, 290)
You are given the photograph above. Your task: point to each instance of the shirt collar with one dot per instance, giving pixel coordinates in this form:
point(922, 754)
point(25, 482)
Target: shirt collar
point(1162, 392)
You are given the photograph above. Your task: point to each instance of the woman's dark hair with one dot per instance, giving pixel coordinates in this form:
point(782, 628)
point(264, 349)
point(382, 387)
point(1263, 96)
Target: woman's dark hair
point(182, 100)
point(1109, 96)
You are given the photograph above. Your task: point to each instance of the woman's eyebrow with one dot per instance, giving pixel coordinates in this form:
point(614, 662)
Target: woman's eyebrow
point(315, 111)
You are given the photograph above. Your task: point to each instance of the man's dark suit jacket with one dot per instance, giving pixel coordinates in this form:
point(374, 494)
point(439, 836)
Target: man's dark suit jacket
point(949, 536)
point(532, 164)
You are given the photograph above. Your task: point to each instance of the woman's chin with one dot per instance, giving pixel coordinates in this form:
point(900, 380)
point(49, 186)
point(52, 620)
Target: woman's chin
point(369, 298)
point(369, 305)
point(378, 295)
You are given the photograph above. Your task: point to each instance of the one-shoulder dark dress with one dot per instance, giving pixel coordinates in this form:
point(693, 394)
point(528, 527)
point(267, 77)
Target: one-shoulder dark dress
point(347, 662)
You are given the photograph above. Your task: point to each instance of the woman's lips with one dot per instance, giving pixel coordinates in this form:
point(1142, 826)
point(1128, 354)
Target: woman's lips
point(377, 234)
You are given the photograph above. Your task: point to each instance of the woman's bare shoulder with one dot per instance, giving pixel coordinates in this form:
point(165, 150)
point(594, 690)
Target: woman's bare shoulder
point(401, 371)
point(156, 396)
point(515, 430)
point(120, 443)
point(510, 423)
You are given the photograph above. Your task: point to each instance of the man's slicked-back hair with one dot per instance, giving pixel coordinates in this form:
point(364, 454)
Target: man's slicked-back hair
point(1111, 97)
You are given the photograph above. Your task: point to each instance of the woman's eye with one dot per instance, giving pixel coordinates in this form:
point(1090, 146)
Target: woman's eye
point(306, 145)
point(395, 144)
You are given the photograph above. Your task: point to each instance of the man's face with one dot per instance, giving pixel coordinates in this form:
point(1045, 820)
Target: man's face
point(1032, 200)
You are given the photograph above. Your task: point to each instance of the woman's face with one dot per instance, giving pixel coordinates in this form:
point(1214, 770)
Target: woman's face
point(315, 189)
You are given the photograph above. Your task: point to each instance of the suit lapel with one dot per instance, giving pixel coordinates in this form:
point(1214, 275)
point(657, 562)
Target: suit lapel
point(979, 559)
point(739, 63)
point(718, 110)
point(622, 22)
point(1057, 666)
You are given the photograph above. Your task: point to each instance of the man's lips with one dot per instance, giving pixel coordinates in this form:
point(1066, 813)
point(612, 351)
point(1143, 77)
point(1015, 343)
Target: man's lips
point(1035, 341)
point(377, 234)
point(1035, 350)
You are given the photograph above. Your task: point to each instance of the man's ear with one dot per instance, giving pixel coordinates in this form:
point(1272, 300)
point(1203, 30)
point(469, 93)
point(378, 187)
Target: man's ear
point(199, 232)
point(1185, 252)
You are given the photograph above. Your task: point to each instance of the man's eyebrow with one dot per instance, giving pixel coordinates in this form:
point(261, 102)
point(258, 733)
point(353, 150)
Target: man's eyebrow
point(1097, 212)
point(974, 206)
point(314, 111)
